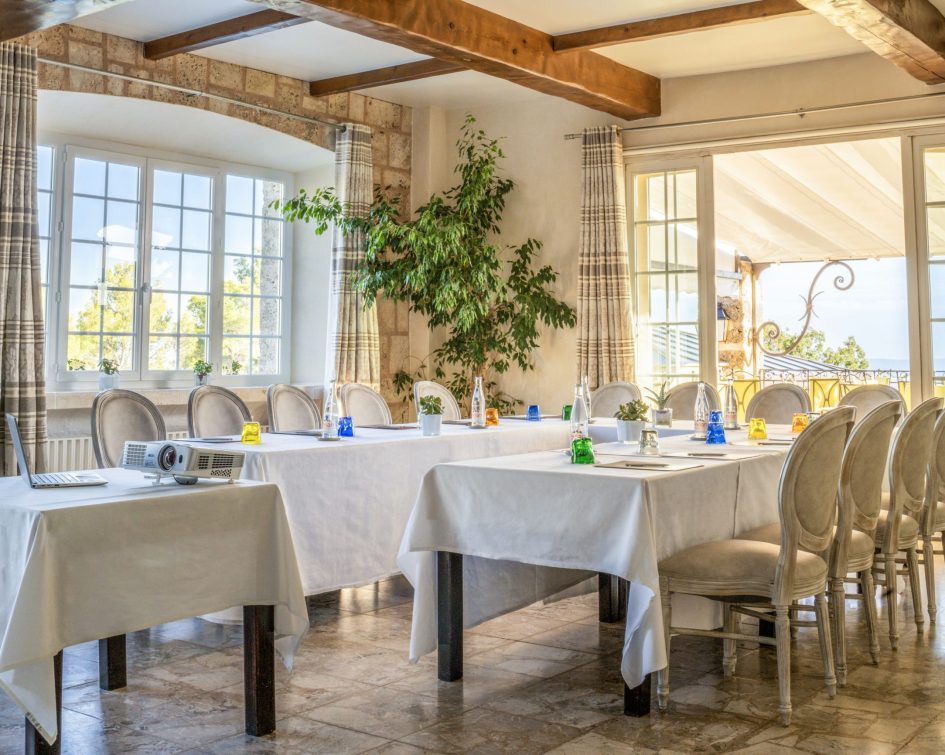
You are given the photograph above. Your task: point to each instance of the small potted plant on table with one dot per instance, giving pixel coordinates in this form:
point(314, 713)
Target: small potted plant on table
point(107, 374)
point(431, 415)
point(662, 414)
point(631, 418)
point(202, 370)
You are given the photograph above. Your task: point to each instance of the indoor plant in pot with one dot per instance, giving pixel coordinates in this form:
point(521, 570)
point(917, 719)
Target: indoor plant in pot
point(107, 374)
point(202, 370)
point(431, 415)
point(662, 414)
point(631, 418)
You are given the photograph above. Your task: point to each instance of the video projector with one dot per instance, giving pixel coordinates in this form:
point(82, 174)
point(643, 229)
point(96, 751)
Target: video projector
point(182, 461)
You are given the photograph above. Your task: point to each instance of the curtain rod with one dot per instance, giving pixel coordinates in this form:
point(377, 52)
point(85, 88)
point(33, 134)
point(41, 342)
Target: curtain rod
point(800, 112)
point(193, 93)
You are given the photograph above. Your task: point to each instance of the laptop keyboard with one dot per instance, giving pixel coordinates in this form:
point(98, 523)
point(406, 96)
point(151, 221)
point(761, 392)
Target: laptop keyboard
point(55, 478)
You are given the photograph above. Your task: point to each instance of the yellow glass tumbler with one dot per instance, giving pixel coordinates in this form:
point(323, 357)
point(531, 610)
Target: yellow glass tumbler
point(251, 434)
point(757, 429)
point(492, 417)
point(799, 422)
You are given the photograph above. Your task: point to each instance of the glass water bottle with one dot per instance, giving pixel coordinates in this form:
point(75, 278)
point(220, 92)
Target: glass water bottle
point(579, 414)
point(731, 407)
point(586, 395)
point(700, 412)
point(329, 418)
point(478, 409)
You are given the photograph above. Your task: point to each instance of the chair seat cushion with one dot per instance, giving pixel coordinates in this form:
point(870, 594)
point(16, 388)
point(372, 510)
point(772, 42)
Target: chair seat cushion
point(908, 527)
point(738, 567)
point(861, 544)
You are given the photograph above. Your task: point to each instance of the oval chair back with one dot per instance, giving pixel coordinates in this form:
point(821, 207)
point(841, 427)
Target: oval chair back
point(682, 399)
point(119, 415)
point(778, 403)
point(867, 397)
point(364, 405)
point(291, 408)
point(430, 388)
point(607, 399)
point(936, 484)
point(214, 410)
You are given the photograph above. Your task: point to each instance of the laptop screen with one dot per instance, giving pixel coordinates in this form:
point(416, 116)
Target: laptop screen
point(17, 442)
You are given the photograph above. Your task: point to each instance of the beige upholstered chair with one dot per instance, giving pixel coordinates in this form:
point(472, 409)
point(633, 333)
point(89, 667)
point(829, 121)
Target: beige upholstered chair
point(682, 399)
point(291, 408)
point(214, 410)
point(365, 405)
point(897, 528)
point(607, 399)
point(865, 398)
point(119, 415)
point(430, 388)
point(933, 517)
point(777, 403)
point(744, 572)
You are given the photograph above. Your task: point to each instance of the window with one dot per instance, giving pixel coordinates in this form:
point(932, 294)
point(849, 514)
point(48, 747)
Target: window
point(162, 264)
point(935, 230)
point(666, 276)
point(45, 170)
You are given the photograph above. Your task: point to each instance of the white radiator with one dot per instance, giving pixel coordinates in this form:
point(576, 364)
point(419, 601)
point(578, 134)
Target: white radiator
point(69, 454)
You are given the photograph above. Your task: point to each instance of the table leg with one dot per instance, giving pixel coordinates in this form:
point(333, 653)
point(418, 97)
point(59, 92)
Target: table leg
point(449, 615)
point(636, 701)
point(766, 629)
point(35, 744)
point(612, 598)
point(112, 665)
point(259, 669)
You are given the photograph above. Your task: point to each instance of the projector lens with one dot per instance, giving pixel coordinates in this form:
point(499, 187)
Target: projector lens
point(167, 458)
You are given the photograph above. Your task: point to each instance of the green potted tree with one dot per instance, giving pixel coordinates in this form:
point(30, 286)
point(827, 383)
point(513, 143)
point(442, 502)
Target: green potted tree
point(107, 374)
point(202, 371)
point(662, 414)
point(631, 419)
point(431, 415)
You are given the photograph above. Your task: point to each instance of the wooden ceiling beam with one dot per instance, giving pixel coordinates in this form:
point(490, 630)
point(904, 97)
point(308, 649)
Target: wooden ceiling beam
point(422, 69)
point(909, 33)
point(682, 23)
point(464, 34)
point(19, 17)
point(230, 30)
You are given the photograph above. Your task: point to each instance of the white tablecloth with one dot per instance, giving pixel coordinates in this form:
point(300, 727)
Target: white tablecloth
point(512, 517)
point(82, 564)
point(348, 501)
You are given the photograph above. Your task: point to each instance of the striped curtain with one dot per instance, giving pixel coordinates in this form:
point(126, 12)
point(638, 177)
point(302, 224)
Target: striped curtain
point(22, 386)
point(353, 341)
point(605, 328)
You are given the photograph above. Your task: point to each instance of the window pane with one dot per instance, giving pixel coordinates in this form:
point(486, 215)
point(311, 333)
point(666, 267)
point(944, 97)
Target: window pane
point(237, 274)
point(266, 193)
point(165, 227)
point(239, 195)
point(88, 218)
point(82, 353)
point(195, 272)
point(164, 269)
point(937, 289)
point(197, 191)
point(196, 234)
point(84, 311)
point(650, 197)
point(121, 222)
point(239, 235)
point(236, 315)
point(119, 348)
point(122, 181)
point(267, 280)
point(269, 242)
point(685, 246)
point(118, 314)
point(89, 177)
point(164, 313)
point(85, 267)
point(192, 349)
point(44, 168)
point(162, 353)
point(935, 175)
point(684, 301)
point(194, 314)
point(656, 294)
point(267, 320)
point(42, 210)
point(683, 194)
point(938, 346)
point(120, 266)
point(265, 356)
point(235, 356)
point(936, 230)
point(167, 187)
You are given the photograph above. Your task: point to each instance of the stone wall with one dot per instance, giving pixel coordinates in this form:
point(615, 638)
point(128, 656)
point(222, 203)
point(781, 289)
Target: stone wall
point(391, 123)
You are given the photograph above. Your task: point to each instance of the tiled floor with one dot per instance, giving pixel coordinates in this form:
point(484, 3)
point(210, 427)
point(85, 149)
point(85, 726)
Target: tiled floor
point(545, 679)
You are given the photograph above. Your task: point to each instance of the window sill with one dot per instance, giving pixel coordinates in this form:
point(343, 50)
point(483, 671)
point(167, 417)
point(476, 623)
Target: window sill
point(82, 399)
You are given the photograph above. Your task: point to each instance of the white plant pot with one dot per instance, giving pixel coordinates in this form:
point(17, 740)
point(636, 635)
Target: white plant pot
point(430, 424)
point(107, 382)
point(628, 431)
point(201, 379)
point(663, 417)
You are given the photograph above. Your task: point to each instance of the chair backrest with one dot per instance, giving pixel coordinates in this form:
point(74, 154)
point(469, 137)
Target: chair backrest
point(119, 415)
point(364, 405)
point(777, 403)
point(867, 397)
point(936, 486)
point(908, 468)
point(214, 410)
point(430, 388)
point(607, 399)
point(861, 480)
point(291, 408)
point(682, 399)
point(807, 493)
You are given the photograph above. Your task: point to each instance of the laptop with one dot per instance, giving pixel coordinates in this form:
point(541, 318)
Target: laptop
point(52, 479)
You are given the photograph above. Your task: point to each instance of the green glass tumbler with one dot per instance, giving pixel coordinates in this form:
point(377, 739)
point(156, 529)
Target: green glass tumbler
point(582, 451)
point(566, 412)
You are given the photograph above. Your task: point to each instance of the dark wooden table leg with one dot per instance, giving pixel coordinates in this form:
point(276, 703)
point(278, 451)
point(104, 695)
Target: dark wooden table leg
point(112, 665)
point(636, 701)
point(611, 598)
point(449, 615)
point(259, 669)
point(35, 744)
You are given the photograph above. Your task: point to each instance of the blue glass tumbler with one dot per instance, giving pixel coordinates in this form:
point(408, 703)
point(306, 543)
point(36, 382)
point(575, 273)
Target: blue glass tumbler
point(534, 413)
point(715, 431)
point(346, 427)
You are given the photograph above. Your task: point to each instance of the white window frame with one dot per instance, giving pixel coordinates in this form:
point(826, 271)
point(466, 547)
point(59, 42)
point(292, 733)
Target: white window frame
point(58, 378)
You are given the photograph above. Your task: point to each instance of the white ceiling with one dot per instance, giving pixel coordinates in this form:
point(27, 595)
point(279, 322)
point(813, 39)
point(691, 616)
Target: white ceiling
point(314, 51)
point(126, 120)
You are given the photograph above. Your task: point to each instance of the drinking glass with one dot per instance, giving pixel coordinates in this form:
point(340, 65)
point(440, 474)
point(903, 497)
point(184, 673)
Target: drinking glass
point(799, 422)
point(251, 434)
point(492, 417)
point(582, 451)
point(346, 427)
point(566, 412)
point(534, 413)
point(649, 442)
point(757, 429)
point(715, 433)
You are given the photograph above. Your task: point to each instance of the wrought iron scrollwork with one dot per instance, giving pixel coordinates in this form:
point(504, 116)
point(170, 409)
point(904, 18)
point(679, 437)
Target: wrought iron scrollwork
point(770, 331)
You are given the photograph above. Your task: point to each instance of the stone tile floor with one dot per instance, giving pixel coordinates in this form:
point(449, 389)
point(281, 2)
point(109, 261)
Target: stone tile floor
point(544, 679)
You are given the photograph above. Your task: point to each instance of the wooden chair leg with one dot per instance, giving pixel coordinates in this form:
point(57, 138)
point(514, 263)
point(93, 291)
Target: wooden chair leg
point(782, 630)
point(729, 647)
point(838, 617)
point(892, 599)
point(912, 562)
point(869, 602)
point(928, 562)
point(826, 645)
point(662, 676)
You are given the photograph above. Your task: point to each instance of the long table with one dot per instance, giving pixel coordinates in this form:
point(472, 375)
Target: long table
point(507, 532)
point(91, 563)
